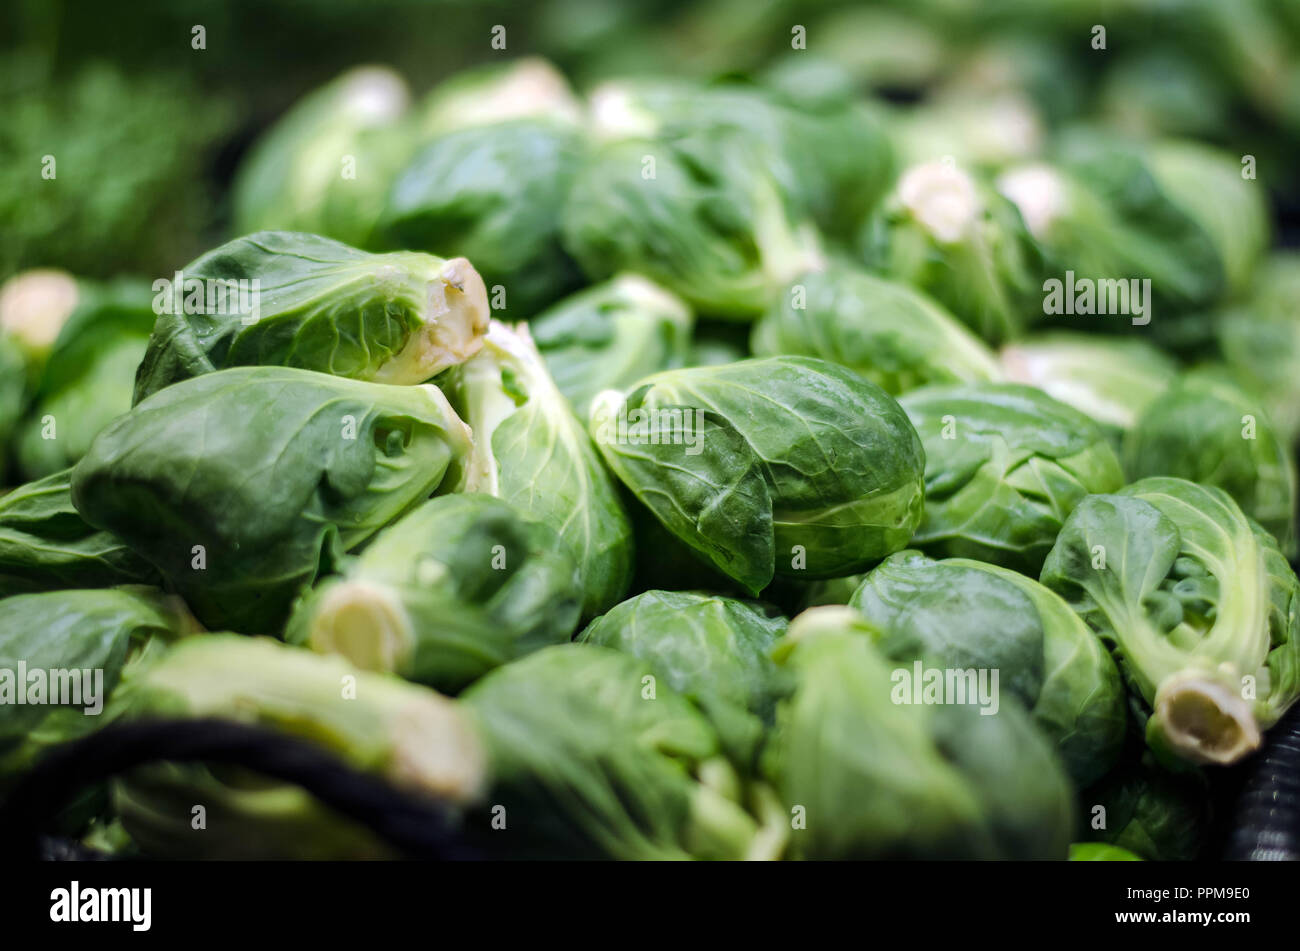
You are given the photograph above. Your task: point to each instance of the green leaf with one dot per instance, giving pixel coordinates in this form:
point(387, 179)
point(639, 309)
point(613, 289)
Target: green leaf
point(236, 484)
point(530, 450)
point(300, 300)
point(45, 544)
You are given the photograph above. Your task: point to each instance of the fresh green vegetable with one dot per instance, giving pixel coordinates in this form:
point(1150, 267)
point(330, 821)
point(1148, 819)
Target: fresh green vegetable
point(280, 298)
point(861, 319)
point(46, 545)
point(86, 379)
point(1109, 379)
point(34, 306)
point(62, 654)
point(409, 735)
point(500, 147)
point(951, 236)
point(866, 777)
point(831, 157)
point(895, 337)
point(1208, 184)
point(1206, 429)
point(493, 193)
point(980, 128)
point(968, 615)
point(240, 485)
point(1100, 214)
point(454, 588)
point(1004, 465)
point(326, 166)
point(785, 465)
point(701, 214)
point(611, 335)
point(531, 450)
point(591, 758)
point(62, 424)
point(1200, 606)
point(528, 87)
point(711, 650)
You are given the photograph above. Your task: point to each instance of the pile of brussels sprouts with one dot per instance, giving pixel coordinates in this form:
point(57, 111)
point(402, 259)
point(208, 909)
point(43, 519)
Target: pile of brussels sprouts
point(683, 471)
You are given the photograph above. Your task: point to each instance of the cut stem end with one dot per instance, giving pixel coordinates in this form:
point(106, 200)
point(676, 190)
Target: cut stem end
point(1204, 720)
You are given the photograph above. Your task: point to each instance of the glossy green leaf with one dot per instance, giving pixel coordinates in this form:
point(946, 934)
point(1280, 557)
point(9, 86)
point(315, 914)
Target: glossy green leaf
point(237, 484)
point(1004, 465)
point(454, 588)
point(279, 298)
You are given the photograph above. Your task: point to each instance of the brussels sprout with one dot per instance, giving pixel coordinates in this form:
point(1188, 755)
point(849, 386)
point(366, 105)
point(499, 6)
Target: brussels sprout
point(326, 166)
point(34, 306)
point(876, 778)
point(408, 734)
point(1158, 815)
point(1260, 340)
point(611, 335)
point(87, 376)
point(1110, 379)
point(978, 128)
point(1004, 465)
point(237, 484)
point(404, 733)
point(894, 336)
point(831, 158)
point(353, 209)
point(1205, 429)
point(484, 95)
point(61, 425)
point(531, 450)
point(785, 465)
point(967, 614)
point(46, 545)
point(493, 193)
point(1100, 852)
point(712, 650)
point(454, 588)
point(949, 235)
point(1208, 185)
point(1200, 605)
point(61, 656)
point(591, 759)
point(1101, 214)
point(308, 302)
point(701, 214)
